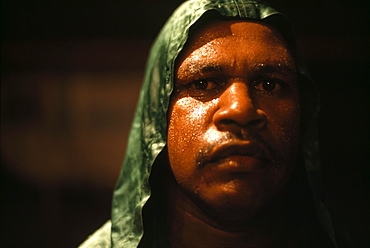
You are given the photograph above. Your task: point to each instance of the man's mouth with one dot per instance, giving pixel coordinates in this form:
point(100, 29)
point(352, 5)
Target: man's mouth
point(230, 150)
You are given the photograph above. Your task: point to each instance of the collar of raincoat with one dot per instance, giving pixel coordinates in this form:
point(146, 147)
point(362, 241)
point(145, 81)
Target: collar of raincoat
point(148, 133)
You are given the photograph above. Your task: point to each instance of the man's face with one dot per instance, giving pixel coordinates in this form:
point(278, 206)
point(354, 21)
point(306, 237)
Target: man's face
point(234, 117)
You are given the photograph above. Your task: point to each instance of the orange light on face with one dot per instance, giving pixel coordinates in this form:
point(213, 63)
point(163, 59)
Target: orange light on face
point(234, 117)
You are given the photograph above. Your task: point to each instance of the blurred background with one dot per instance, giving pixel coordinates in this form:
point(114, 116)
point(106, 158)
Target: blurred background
point(71, 74)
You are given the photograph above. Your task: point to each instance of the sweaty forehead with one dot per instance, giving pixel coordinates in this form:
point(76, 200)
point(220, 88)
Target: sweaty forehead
point(236, 28)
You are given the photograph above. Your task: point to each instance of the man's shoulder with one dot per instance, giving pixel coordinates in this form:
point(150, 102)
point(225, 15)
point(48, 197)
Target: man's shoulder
point(100, 238)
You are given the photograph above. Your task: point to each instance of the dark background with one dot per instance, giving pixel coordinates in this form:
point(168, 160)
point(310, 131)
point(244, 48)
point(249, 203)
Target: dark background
point(71, 72)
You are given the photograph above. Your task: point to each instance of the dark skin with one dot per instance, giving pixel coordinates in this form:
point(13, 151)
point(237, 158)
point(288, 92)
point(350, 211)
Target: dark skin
point(232, 138)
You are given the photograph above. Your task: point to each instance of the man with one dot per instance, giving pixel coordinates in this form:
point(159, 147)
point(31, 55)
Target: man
point(223, 139)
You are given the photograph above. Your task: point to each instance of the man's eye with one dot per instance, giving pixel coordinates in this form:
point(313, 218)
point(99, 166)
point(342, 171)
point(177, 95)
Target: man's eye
point(202, 89)
point(203, 84)
point(269, 86)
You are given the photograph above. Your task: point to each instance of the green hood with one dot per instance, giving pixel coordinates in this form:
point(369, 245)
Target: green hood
point(149, 130)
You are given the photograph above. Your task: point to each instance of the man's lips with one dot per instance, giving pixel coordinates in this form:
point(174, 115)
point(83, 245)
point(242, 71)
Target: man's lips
point(236, 149)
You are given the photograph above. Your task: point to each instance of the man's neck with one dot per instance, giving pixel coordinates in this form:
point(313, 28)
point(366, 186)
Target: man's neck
point(190, 226)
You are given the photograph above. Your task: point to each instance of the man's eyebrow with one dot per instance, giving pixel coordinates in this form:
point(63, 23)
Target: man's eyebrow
point(278, 68)
point(205, 68)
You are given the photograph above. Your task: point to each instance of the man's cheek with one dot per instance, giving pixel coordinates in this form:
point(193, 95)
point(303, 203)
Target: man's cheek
point(189, 116)
point(283, 133)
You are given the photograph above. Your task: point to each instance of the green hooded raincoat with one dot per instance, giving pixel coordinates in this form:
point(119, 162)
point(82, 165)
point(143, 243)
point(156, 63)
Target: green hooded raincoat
point(130, 226)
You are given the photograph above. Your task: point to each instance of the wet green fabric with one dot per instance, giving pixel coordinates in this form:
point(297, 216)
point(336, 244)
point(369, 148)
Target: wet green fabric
point(148, 134)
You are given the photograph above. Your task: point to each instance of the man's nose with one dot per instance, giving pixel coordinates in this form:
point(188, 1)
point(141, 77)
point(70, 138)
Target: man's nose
point(236, 107)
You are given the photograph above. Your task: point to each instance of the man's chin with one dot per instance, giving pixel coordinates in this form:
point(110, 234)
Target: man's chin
point(232, 203)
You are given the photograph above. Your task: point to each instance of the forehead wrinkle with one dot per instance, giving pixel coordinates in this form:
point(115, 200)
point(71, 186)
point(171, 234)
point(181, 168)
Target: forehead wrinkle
point(202, 65)
point(198, 57)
